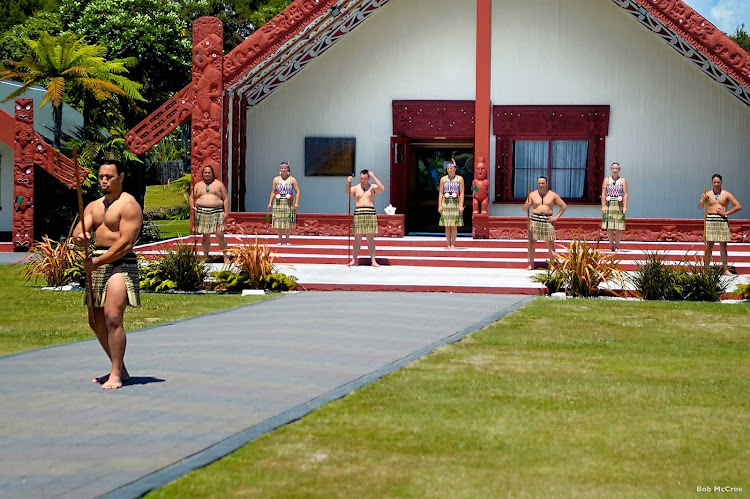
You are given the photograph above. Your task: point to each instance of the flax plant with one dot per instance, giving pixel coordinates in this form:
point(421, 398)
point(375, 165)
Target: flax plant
point(584, 268)
point(254, 260)
point(57, 262)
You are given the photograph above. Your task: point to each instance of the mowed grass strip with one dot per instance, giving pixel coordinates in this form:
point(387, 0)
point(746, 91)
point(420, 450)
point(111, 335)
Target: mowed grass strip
point(32, 318)
point(575, 398)
point(163, 196)
point(173, 228)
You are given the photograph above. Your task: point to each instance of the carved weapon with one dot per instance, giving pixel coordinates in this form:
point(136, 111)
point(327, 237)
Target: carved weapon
point(83, 226)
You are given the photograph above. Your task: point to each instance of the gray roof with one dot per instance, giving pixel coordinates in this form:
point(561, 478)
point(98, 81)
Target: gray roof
point(43, 123)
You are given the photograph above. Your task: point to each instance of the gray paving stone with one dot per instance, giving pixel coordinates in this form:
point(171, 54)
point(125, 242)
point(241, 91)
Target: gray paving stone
point(204, 386)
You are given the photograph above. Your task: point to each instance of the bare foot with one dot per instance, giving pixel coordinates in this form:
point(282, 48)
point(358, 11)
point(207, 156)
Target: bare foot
point(113, 383)
point(124, 376)
point(726, 272)
point(530, 267)
point(353, 263)
point(374, 264)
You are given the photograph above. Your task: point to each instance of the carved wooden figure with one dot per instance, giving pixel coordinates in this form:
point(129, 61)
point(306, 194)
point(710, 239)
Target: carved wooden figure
point(480, 187)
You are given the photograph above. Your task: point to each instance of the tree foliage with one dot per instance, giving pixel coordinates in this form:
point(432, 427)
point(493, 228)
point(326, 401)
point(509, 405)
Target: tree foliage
point(63, 63)
point(742, 37)
point(152, 31)
point(13, 12)
point(13, 41)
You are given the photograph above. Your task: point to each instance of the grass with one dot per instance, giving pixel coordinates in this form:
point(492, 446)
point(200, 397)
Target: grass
point(32, 318)
point(163, 196)
point(173, 228)
point(583, 398)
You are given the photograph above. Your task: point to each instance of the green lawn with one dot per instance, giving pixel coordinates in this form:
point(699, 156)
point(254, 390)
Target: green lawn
point(32, 318)
point(163, 196)
point(173, 228)
point(560, 399)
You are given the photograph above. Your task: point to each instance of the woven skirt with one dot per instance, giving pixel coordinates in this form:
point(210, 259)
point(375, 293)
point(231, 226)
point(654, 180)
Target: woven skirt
point(284, 214)
point(614, 218)
point(365, 221)
point(451, 216)
point(540, 228)
point(128, 266)
point(208, 220)
point(717, 228)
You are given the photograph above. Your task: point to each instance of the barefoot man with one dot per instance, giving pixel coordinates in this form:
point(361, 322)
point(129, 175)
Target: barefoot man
point(365, 216)
point(115, 220)
point(210, 202)
point(717, 219)
point(542, 221)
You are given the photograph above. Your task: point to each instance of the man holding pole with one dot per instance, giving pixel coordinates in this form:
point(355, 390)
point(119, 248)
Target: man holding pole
point(114, 220)
point(715, 204)
point(365, 217)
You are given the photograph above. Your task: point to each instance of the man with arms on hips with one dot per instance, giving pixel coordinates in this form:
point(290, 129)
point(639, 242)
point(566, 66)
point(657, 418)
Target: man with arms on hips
point(285, 201)
point(115, 221)
point(542, 220)
point(365, 217)
point(717, 219)
point(614, 206)
point(210, 202)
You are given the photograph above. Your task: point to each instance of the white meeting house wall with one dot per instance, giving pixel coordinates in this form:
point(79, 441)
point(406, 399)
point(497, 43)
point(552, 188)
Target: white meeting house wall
point(671, 126)
point(6, 187)
point(409, 49)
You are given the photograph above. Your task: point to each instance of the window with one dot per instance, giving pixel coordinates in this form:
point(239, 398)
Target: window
point(563, 162)
point(563, 143)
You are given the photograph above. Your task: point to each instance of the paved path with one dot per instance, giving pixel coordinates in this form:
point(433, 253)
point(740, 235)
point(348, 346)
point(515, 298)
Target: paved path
point(205, 386)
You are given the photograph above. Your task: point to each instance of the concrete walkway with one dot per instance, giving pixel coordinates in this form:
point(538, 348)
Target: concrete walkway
point(205, 386)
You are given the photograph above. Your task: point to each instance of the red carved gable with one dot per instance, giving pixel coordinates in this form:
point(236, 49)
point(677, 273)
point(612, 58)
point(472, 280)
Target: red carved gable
point(672, 20)
point(702, 35)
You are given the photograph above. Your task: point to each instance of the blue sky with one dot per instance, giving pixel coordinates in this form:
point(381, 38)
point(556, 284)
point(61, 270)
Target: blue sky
point(724, 14)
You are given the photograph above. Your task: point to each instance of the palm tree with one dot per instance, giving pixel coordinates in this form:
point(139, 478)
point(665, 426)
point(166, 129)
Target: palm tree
point(64, 63)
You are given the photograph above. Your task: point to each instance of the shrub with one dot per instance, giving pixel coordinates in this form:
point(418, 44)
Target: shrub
point(690, 280)
point(552, 278)
point(181, 269)
point(57, 262)
point(177, 212)
point(744, 291)
point(697, 282)
point(584, 268)
point(252, 267)
point(149, 233)
point(654, 279)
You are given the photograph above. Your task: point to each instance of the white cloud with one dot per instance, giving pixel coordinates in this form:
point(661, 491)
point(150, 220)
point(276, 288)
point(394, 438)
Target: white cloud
point(728, 14)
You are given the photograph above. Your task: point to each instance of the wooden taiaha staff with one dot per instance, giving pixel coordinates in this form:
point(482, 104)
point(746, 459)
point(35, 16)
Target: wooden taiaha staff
point(349, 218)
point(705, 220)
point(83, 226)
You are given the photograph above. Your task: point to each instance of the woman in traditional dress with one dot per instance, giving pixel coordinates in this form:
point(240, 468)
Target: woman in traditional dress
point(285, 201)
point(614, 206)
point(451, 203)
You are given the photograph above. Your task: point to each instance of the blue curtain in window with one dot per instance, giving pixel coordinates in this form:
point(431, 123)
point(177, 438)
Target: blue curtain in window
point(569, 167)
point(531, 158)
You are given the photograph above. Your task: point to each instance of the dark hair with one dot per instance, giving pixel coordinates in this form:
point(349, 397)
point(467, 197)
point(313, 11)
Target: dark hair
point(545, 178)
point(365, 172)
point(112, 162)
point(716, 175)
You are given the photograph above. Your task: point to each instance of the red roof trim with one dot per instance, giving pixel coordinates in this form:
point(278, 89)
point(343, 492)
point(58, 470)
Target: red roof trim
point(703, 36)
point(272, 35)
point(7, 128)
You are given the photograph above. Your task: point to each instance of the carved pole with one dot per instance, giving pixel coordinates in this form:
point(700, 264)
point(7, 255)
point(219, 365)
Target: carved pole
point(25, 151)
point(207, 95)
point(483, 105)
